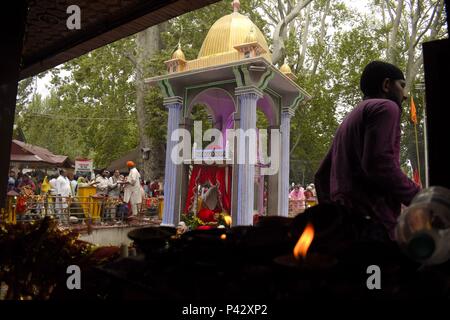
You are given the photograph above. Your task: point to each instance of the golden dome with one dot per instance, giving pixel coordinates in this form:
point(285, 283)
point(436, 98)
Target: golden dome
point(178, 54)
point(251, 36)
point(285, 68)
point(230, 31)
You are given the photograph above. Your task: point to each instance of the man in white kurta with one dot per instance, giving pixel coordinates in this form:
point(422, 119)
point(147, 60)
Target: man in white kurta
point(53, 186)
point(103, 183)
point(132, 191)
point(63, 190)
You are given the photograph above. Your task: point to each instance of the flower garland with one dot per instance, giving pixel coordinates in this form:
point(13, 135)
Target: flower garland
point(193, 222)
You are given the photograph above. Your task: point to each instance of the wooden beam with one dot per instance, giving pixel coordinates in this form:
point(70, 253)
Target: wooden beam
point(12, 28)
point(437, 68)
point(105, 31)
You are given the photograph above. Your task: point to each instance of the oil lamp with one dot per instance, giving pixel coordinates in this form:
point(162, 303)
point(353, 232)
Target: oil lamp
point(301, 258)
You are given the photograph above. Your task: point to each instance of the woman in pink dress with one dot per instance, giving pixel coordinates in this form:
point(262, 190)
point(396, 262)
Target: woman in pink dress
point(297, 199)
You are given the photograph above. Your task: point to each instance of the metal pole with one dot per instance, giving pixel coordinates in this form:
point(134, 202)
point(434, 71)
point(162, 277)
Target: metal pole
point(417, 150)
point(425, 140)
point(421, 87)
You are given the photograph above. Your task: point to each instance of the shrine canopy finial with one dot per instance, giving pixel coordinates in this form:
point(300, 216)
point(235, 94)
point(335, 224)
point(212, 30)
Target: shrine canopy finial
point(236, 5)
point(286, 70)
point(178, 54)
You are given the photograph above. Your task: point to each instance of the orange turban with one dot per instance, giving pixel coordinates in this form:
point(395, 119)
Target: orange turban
point(130, 164)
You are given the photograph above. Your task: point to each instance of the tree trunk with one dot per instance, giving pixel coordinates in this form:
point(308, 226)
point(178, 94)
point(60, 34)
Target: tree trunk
point(279, 35)
point(383, 15)
point(304, 40)
point(321, 40)
point(415, 24)
point(410, 70)
point(148, 43)
point(391, 56)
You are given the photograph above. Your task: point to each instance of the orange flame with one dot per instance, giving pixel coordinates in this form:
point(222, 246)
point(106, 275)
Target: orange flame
point(223, 236)
point(302, 246)
point(227, 220)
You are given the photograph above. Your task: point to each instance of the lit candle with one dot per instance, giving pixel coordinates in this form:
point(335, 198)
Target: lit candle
point(304, 242)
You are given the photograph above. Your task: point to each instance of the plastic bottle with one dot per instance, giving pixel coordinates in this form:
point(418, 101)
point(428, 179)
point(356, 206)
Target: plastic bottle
point(423, 229)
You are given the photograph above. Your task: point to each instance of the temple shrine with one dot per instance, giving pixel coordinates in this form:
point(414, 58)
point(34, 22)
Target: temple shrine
point(234, 79)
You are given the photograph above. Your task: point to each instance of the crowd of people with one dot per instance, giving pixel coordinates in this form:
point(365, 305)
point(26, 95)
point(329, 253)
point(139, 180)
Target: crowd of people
point(35, 183)
point(126, 192)
point(17, 181)
point(302, 198)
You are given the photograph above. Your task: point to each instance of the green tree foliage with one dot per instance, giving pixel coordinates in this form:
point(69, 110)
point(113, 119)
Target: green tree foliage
point(340, 43)
point(25, 91)
point(90, 111)
point(402, 27)
point(330, 72)
point(51, 131)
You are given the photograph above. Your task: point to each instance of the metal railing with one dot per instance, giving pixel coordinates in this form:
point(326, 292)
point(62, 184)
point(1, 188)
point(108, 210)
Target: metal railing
point(299, 206)
point(72, 210)
point(95, 209)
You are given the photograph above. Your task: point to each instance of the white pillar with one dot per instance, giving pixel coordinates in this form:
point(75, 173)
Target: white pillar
point(171, 213)
point(273, 182)
point(285, 127)
point(183, 168)
point(247, 98)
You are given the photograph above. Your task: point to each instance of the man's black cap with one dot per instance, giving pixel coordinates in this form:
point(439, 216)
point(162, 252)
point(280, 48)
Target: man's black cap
point(374, 74)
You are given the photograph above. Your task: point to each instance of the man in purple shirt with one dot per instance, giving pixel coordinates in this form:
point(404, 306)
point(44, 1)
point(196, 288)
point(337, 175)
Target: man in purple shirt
point(362, 168)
